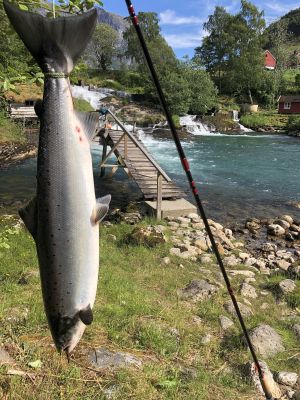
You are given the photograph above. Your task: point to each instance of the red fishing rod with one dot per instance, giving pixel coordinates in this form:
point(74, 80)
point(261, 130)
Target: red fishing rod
point(186, 167)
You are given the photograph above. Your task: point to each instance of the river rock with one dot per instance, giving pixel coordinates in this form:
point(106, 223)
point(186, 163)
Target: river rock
point(105, 359)
point(287, 378)
point(194, 217)
point(260, 264)
point(250, 262)
point(5, 358)
point(228, 233)
point(286, 286)
point(174, 251)
point(296, 395)
point(221, 249)
point(225, 322)
point(252, 372)
point(197, 290)
point(253, 224)
point(284, 224)
point(205, 259)
point(230, 261)
point(201, 243)
point(282, 264)
point(248, 291)
point(276, 230)
point(269, 247)
point(247, 274)
point(288, 219)
point(149, 236)
point(266, 341)
point(296, 329)
point(166, 260)
point(206, 339)
point(216, 225)
point(173, 224)
point(294, 271)
point(244, 256)
point(245, 310)
point(183, 220)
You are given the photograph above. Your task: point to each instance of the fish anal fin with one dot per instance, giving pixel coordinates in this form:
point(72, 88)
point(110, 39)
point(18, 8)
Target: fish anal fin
point(86, 315)
point(101, 208)
point(89, 122)
point(29, 217)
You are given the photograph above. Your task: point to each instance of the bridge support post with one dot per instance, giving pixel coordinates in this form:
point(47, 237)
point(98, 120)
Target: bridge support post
point(159, 196)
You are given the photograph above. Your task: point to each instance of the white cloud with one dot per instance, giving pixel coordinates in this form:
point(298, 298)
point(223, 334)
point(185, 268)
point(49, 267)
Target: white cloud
point(169, 17)
point(280, 8)
point(184, 40)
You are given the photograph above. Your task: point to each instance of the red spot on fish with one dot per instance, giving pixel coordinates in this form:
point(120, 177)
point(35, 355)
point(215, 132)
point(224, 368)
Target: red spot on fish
point(77, 129)
point(80, 138)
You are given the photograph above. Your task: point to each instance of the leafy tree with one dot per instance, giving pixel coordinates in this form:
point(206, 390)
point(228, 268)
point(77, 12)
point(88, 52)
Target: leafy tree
point(103, 45)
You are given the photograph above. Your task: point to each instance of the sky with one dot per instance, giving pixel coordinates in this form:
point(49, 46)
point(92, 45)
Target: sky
point(181, 21)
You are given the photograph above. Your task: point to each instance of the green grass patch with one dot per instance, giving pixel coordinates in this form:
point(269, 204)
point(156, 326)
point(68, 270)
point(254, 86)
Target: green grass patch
point(82, 105)
point(137, 311)
point(10, 131)
point(264, 120)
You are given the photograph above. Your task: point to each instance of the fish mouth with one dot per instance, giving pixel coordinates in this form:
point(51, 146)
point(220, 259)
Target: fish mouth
point(66, 332)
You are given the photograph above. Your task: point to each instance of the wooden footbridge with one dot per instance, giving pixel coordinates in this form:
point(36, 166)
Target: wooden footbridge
point(152, 181)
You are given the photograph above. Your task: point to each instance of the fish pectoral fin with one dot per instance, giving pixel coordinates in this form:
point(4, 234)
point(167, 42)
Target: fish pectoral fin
point(29, 217)
point(101, 208)
point(89, 122)
point(86, 315)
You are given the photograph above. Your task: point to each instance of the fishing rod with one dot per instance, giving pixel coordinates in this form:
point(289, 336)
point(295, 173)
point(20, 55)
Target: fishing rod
point(185, 164)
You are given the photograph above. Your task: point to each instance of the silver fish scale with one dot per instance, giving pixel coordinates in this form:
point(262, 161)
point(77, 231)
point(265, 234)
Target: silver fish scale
point(68, 242)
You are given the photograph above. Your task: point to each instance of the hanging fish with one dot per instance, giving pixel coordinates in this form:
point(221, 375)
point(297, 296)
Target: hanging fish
point(63, 217)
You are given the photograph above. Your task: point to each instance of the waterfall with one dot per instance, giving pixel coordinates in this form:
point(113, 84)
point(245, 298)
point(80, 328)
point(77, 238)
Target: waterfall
point(92, 97)
point(194, 127)
point(235, 117)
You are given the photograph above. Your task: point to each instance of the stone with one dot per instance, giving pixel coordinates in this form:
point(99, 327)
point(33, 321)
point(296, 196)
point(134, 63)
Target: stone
point(225, 322)
point(197, 320)
point(266, 341)
point(188, 374)
point(198, 225)
point(214, 224)
point(205, 259)
point(282, 264)
point(166, 260)
point(248, 291)
point(221, 249)
point(149, 236)
point(228, 233)
point(288, 219)
point(201, 243)
point(253, 224)
point(17, 315)
point(247, 274)
point(206, 339)
point(132, 218)
point(105, 359)
point(295, 228)
point(296, 395)
point(250, 261)
point(183, 220)
point(230, 261)
point(239, 245)
point(296, 329)
point(245, 310)
point(285, 225)
point(173, 224)
point(269, 247)
point(276, 230)
point(187, 255)
point(174, 251)
point(194, 217)
point(244, 256)
point(273, 386)
point(5, 358)
point(28, 276)
point(112, 237)
point(287, 378)
point(260, 264)
point(197, 290)
point(286, 286)
point(294, 271)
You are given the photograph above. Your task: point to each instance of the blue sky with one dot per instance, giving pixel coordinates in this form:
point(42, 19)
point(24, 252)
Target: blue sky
point(182, 21)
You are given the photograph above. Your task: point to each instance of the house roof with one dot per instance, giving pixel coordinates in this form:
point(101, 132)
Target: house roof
point(289, 99)
point(268, 51)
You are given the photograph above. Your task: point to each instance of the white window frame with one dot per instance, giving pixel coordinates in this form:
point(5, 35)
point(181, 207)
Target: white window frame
point(287, 106)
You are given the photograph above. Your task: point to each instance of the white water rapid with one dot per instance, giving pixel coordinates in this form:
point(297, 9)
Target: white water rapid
point(235, 117)
point(94, 98)
point(195, 127)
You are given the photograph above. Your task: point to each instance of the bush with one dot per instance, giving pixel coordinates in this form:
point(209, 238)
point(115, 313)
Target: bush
point(294, 122)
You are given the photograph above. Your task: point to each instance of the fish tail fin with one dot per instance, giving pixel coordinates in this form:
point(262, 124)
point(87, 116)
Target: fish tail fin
point(56, 44)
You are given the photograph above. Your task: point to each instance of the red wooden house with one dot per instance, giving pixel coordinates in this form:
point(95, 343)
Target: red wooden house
point(289, 105)
point(270, 60)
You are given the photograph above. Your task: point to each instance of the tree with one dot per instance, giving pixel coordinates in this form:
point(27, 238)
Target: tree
point(103, 46)
point(216, 46)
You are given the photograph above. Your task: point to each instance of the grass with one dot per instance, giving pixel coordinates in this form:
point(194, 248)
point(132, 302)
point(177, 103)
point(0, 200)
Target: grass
point(10, 131)
point(82, 105)
point(265, 119)
point(137, 311)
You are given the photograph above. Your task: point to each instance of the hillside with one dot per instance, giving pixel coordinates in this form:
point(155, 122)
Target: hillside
point(115, 21)
point(291, 22)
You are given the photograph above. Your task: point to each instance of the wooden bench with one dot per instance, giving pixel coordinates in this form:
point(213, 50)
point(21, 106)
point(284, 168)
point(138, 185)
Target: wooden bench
point(21, 112)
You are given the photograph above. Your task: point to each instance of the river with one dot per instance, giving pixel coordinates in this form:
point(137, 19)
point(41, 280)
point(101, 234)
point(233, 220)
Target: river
point(238, 176)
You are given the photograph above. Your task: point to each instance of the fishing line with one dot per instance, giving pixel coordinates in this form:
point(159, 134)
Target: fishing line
point(186, 167)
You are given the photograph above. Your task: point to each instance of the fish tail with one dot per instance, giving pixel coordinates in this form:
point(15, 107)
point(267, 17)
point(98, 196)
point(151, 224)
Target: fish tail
point(55, 44)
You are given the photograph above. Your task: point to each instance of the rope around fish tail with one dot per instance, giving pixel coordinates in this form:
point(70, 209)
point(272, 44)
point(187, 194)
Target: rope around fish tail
point(186, 167)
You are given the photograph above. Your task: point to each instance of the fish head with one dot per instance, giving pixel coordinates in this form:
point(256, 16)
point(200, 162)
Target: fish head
point(66, 332)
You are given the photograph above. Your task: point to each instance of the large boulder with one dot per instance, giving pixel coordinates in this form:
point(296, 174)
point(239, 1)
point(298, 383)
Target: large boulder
point(105, 359)
point(266, 341)
point(286, 286)
point(149, 236)
point(276, 230)
point(245, 310)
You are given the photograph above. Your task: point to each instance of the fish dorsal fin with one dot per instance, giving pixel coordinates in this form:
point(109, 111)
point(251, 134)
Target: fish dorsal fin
point(55, 43)
point(86, 315)
point(29, 217)
point(89, 122)
point(101, 208)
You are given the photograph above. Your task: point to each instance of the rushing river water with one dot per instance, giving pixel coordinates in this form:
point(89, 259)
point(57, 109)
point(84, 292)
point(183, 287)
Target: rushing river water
point(238, 176)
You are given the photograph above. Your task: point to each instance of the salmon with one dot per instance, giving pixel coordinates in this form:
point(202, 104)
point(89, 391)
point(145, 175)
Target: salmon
point(64, 216)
